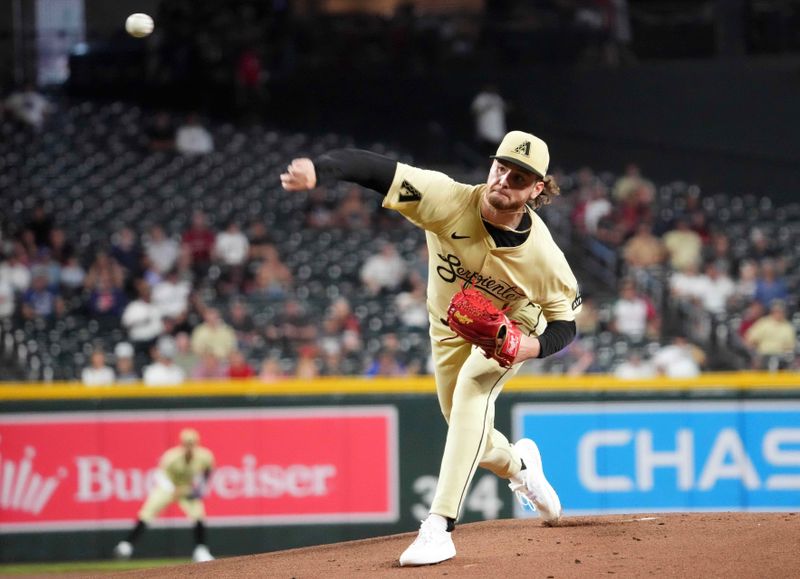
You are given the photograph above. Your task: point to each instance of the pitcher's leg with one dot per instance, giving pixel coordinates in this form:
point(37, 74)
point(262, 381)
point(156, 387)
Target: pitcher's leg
point(471, 427)
point(448, 359)
point(499, 457)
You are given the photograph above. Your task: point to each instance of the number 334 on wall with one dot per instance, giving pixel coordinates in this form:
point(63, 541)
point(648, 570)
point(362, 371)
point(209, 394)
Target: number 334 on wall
point(482, 498)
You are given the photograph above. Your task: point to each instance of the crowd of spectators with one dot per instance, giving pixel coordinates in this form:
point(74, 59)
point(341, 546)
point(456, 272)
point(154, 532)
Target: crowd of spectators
point(149, 283)
point(684, 280)
point(189, 299)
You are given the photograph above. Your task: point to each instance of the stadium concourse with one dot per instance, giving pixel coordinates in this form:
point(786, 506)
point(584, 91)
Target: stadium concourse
point(299, 303)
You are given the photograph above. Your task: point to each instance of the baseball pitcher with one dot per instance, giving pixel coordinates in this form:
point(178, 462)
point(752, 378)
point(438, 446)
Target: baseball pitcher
point(182, 477)
point(500, 292)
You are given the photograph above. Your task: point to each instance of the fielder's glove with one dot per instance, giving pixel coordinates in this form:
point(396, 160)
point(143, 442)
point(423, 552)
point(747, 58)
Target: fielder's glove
point(475, 318)
point(198, 490)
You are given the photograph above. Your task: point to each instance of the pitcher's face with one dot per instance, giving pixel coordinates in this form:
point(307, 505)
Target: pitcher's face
point(511, 187)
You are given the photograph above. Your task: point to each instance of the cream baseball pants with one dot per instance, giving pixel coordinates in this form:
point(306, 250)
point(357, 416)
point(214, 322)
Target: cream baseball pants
point(160, 497)
point(467, 385)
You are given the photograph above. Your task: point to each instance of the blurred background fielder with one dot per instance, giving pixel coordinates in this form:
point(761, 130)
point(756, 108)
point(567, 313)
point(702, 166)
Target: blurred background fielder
point(183, 475)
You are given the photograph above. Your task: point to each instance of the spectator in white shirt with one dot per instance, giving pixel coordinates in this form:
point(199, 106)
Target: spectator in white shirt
point(126, 372)
point(163, 371)
point(7, 304)
point(142, 318)
point(171, 296)
point(412, 305)
point(97, 373)
point(632, 315)
point(231, 250)
point(717, 289)
point(385, 270)
point(489, 110)
point(192, 138)
point(231, 246)
point(679, 359)
point(597, 207)
point(161, 250)
point(687, 284)
point(634, 368)
point(15, 271)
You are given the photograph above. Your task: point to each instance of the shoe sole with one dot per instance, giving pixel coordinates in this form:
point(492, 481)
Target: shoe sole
point(422, 564)
point(547, 489)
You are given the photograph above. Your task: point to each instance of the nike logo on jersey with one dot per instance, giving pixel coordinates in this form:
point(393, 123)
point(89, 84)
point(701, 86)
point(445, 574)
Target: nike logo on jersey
point(408, 192)
point(455, 235)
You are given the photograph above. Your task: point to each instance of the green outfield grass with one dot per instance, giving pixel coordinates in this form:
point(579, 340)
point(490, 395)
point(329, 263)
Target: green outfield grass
point(79, 566)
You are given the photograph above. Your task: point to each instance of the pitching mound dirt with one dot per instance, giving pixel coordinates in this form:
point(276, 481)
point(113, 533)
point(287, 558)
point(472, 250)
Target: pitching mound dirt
point(704, 545)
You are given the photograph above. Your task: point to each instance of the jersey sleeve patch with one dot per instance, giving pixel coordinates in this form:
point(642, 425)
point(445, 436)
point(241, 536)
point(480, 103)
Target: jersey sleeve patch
point(577, 301)
point(408, 193)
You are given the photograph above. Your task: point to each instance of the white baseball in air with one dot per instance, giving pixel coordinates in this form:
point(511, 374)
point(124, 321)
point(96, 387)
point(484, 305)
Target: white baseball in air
point(139, 25)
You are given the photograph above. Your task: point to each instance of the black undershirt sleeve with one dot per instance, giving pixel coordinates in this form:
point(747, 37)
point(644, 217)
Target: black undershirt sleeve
point(365, 168)
point(556, 336)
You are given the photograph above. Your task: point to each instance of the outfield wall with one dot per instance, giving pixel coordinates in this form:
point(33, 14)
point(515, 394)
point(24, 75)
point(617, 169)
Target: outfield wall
point(302, 463)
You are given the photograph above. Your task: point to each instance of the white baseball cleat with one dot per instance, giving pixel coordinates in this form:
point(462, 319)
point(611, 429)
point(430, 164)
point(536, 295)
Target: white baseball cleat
point(531, 486)
point(432, 545)
point(123, 550)
point(201, 554)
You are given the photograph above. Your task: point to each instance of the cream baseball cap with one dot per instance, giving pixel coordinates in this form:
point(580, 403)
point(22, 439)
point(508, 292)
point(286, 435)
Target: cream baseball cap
point(189, 436)
point(524, 150)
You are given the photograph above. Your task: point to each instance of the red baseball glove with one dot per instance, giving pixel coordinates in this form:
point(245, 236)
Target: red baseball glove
point(475, 318)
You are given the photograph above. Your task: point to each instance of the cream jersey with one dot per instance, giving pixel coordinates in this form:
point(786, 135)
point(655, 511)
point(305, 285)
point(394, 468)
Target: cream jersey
point(533, 280)
point(179, 471)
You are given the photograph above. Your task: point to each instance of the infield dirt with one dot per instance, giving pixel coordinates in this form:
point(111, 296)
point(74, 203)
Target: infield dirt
point(704, 545)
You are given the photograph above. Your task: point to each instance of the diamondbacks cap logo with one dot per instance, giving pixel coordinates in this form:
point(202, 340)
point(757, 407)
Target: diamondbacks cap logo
point(408, 192)
point(23, 489)
point(524, 149)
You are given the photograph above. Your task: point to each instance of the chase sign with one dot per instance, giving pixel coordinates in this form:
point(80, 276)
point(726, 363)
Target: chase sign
point(658, 457)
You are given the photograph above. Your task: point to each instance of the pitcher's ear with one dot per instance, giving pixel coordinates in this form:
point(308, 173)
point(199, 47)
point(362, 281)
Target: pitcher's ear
point(538, 187)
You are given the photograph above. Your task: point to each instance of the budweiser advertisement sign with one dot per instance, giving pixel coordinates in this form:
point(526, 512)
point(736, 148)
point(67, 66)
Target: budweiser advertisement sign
point(93, 470)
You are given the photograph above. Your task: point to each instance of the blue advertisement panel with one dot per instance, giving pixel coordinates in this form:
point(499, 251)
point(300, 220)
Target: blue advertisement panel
point(659, 457)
